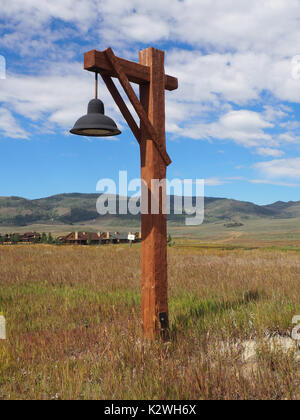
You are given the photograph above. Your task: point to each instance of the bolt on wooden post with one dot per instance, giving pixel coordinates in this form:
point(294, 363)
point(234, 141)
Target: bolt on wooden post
point(149, 74)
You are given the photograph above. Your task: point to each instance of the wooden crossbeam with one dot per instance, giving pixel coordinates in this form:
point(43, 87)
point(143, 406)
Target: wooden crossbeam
point(122, 106)
point(96, 61)
point(115, 64)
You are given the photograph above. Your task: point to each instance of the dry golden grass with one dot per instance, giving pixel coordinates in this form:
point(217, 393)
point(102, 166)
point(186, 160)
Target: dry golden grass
point(73, 321)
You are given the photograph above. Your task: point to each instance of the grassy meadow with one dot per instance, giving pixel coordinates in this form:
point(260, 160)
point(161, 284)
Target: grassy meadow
point(73, 324)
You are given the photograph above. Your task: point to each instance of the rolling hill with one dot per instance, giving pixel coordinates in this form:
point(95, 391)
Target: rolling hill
point(78, 208)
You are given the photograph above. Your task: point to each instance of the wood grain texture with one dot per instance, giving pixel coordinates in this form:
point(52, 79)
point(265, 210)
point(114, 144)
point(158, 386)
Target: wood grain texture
point(122, 106)
point(154, 226)
point(96, 61)
point(139, 109)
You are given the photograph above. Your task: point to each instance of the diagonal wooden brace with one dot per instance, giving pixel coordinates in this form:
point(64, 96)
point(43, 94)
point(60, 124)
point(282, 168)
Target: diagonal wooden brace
point(122, 106)
point(136, 104)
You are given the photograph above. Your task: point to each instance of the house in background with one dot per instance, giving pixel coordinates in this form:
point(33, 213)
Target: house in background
point(30, 237)
point(73, 238)
point(85, 238)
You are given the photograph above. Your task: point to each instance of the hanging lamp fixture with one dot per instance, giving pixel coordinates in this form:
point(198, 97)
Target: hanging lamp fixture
point(95, 123)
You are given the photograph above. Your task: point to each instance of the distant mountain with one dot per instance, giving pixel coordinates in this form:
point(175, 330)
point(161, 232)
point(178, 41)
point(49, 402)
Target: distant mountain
point(79, 208)
point(285, 210)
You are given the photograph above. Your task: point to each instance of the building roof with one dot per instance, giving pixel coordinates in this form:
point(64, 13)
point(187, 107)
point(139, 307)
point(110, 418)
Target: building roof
point(85, 236)
point(82, 236)
point(30, 235)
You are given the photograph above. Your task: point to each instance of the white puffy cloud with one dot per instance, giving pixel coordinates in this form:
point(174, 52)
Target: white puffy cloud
point(267, 151)
point(9, 127)
point(289, 137)
point(280, 168)
point(38, 12)
point(244, 127)
point(145, 28)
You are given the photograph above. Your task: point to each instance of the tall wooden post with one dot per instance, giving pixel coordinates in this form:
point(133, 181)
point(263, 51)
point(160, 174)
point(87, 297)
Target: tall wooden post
point(155, 317)
point(149, 74)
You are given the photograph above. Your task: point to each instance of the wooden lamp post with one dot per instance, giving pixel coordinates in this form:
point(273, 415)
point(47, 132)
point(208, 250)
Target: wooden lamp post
point(149, 74)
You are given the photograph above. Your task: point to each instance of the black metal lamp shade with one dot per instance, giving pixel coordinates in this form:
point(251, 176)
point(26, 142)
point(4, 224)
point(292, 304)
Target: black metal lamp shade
point(95, 123)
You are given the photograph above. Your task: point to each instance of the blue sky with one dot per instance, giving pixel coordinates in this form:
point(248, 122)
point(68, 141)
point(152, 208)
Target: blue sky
point(234, 120)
